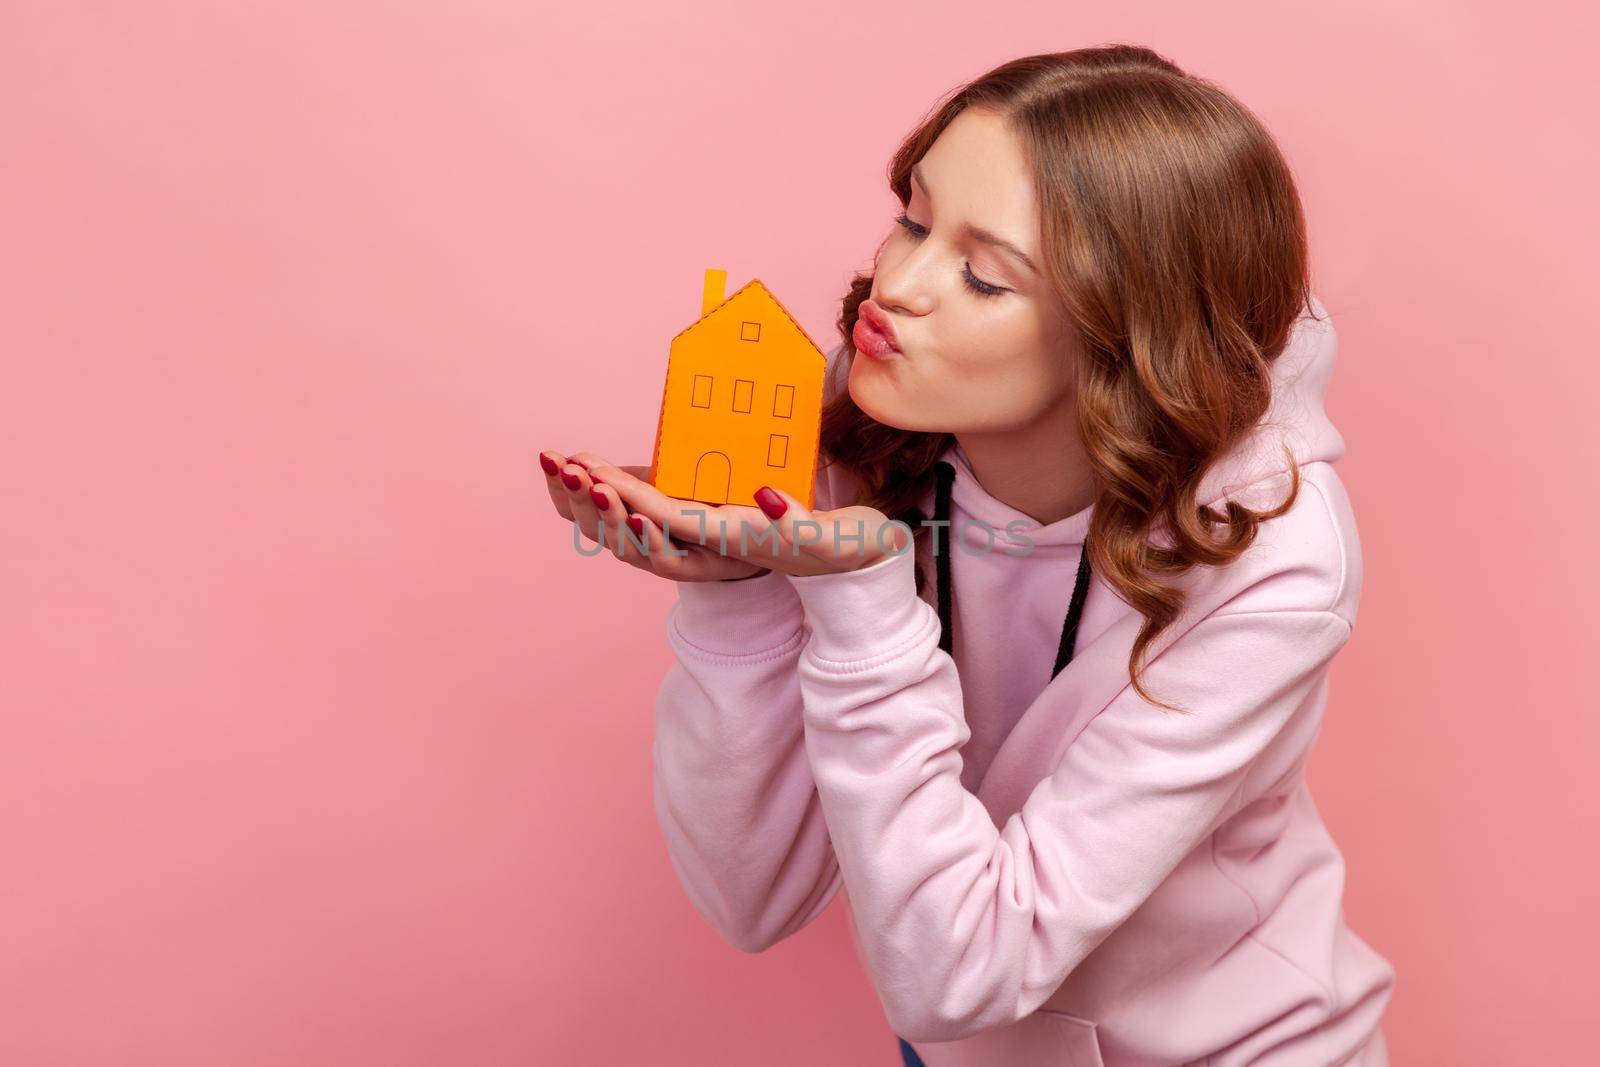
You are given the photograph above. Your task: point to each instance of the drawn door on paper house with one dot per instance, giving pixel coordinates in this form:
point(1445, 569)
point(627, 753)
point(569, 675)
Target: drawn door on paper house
point(742, 404)
point(713, 474)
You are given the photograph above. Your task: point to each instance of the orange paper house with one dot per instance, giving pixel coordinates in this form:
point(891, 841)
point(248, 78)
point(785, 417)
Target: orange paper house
point(742, 406)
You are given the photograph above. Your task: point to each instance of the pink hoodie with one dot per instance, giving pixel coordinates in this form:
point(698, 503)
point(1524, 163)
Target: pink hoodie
point(1043, 871)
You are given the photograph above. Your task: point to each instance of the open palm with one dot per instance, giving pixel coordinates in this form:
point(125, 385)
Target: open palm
point(711, 541)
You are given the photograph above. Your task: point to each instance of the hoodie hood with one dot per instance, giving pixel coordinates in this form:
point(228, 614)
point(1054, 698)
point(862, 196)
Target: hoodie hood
point(1295, 417)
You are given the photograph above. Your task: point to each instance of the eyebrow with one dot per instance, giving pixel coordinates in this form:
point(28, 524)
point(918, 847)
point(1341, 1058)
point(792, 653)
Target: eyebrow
point(978, 232)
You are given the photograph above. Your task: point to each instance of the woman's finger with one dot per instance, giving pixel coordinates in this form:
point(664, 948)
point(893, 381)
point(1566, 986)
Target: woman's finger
point(843, 539)
point(611, 510)
point(793, 527)
point(550, 463)
point(657, 555)
point(610, 515)
point(583, 511)
point(636, 544)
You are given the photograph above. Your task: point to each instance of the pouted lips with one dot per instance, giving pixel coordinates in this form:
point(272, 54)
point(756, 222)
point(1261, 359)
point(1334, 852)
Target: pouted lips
point(874, 332)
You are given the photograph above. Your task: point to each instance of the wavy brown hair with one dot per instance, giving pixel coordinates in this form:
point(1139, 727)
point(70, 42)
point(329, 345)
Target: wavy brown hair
point(1173, 235)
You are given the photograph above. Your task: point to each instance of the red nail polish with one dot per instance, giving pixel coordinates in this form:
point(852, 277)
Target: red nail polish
point(771, 504)
point(636, 524)
point(599, 498)
point(572, 480)
point(549, 465)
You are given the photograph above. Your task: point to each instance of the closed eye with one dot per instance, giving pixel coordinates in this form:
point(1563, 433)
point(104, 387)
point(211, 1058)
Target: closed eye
point(974, 283)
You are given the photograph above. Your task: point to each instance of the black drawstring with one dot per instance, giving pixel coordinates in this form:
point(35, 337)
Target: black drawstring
point(945, 476)
point(1069, 629)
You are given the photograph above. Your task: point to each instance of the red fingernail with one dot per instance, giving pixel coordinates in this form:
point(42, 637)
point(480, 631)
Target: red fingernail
point(771, 504)
point(636, 524)
point(572, 480)
point(548, 464)
point(599, 498)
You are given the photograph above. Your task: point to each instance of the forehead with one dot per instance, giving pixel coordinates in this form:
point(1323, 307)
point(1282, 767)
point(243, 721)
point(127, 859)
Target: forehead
point(978, 175)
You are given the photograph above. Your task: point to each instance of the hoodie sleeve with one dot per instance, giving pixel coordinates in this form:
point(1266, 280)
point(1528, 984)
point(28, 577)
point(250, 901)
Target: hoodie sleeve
point(732, 789)
point(965, 926)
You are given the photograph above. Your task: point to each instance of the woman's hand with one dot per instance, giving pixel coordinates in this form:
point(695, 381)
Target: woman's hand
point(598, 512)
point(782, 535)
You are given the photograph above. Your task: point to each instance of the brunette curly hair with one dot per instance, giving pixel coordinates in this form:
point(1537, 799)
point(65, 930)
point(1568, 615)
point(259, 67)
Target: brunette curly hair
point(1173, 235)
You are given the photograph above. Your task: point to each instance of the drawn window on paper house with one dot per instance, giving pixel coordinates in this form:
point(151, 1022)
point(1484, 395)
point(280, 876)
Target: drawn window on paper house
point(742, 403)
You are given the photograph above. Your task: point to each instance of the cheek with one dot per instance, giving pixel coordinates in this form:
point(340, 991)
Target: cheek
point(1007, 361)
point(995, 344)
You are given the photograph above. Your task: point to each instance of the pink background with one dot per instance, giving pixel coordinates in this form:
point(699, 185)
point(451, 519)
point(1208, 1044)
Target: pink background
point(320, 745)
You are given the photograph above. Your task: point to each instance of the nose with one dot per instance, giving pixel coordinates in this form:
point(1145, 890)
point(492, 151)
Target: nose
point(899, 285)
point(892, 291)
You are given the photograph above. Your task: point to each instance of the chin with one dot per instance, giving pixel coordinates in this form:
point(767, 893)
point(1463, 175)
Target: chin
point(871, 397)
point(878, 398)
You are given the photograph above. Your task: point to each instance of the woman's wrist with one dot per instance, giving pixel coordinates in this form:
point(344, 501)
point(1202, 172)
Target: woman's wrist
point(747, 577)
point(735, 618)
point(856, 613)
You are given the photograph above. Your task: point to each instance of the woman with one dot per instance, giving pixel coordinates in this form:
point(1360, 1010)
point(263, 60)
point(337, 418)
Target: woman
point(1053, 747)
